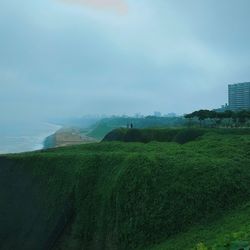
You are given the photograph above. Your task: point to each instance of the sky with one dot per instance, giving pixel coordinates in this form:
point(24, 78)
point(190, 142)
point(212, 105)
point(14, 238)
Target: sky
point(62, 58)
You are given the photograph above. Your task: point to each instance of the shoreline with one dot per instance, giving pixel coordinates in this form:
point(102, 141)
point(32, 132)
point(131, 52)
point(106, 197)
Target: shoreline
point(67, 137)
point(25, 137)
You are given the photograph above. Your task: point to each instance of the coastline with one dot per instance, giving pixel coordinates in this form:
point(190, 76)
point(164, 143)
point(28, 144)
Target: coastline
point(43, 137)
point(24, 136)
point(67, 137)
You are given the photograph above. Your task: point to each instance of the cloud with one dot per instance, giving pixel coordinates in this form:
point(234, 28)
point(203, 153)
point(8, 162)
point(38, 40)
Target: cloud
point(119, 6)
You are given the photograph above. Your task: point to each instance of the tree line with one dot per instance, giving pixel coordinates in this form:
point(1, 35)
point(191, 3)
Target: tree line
point(212, 118)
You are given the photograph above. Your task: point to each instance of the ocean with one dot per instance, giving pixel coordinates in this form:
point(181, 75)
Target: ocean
point(24, 137)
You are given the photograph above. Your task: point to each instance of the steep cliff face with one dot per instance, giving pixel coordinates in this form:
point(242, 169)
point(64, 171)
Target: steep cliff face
point(115, 195)
point(31, 203)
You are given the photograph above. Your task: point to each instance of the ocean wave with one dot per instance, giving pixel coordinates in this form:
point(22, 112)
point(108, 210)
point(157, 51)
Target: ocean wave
point(25, 138)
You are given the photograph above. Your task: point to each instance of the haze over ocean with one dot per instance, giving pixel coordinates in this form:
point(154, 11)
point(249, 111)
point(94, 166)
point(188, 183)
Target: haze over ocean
point(23, 137)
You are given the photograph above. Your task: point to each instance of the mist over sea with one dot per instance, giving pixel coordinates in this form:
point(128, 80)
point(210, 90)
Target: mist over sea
point(24, 137)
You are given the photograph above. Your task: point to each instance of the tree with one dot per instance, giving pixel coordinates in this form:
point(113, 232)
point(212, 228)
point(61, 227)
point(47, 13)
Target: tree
point(237, 118)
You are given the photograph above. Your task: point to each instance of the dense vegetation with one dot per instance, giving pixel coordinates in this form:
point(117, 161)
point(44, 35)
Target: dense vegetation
point(115, 195)
point(227, 118)
point(148, 135)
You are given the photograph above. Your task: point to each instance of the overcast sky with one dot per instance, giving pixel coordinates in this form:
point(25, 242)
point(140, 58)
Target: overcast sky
point(76, 57)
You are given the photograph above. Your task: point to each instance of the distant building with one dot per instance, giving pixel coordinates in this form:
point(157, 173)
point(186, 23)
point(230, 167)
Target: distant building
point(239, 96)
point(223, 108)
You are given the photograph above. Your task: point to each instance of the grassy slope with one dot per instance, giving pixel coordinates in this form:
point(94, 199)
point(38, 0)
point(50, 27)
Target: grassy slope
point(231, 228)
point(146, 135)
point(179, 135)
point(124, 196)
point(101, 128)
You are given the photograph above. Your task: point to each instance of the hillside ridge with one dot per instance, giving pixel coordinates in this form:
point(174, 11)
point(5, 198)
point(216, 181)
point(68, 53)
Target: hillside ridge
point(116, 195)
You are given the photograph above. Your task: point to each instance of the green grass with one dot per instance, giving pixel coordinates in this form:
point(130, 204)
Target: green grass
point(154, 134)
point(179, 135)
point(100, 130)
point(225, 231)
point(103, 127)
point(116, 195)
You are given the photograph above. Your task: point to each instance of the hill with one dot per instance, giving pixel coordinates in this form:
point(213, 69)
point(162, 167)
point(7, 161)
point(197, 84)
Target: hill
point(116, 195)
point(104, 126)
point(148, 135)
point(178, 135)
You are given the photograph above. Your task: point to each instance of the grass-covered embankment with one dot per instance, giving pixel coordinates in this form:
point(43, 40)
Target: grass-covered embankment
point(115, 195)
point(155, 134)
point(230, 231)
point(106, 125)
